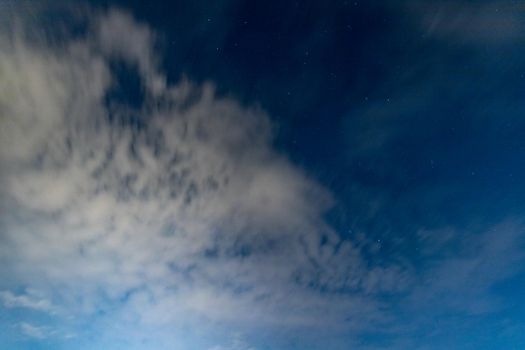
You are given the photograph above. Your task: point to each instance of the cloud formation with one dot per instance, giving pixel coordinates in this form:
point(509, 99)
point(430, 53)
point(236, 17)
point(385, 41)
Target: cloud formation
point(190, 216)
point(170, 220)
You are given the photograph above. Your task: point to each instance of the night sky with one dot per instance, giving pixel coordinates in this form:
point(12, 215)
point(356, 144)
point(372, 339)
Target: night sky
point(252, 175)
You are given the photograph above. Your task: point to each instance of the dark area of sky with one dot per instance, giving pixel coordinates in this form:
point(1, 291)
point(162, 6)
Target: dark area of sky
point(408, 129)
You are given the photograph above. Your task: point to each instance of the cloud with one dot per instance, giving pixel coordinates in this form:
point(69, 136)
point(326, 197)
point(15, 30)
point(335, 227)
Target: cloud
point(237, 343)
point(479, 23)
point(29, 301)
point(486, 259)
point(33, 331)
point(189, 218)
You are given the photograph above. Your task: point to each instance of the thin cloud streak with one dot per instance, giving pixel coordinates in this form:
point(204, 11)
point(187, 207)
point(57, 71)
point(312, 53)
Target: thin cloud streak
point(28, 301)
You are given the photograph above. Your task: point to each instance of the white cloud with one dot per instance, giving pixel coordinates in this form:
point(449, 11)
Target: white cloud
point(33, 331)
point(31, 300)
point(193, 217)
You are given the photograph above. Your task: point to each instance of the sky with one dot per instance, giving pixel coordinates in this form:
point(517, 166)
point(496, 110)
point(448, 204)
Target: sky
point(262, 175)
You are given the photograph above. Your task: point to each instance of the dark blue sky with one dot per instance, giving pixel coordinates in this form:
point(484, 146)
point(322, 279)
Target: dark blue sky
point(423, 125)
point(384, 140)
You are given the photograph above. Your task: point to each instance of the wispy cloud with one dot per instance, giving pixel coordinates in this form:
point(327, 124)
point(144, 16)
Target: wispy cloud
point(472, 22)
point(237, 343)
point(468, 276)
point(28, 301)
point(36, 332)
